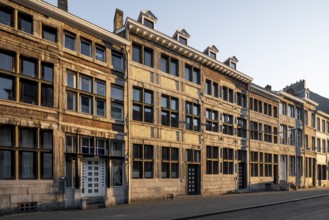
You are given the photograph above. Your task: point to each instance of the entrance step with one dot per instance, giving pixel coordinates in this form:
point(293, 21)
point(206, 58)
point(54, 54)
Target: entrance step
point(95, 203)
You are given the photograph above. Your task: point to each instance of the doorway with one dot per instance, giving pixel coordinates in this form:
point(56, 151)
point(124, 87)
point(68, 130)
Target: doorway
point(194, 179)
point(283, 168)
point(93, 177)
point(242, 176)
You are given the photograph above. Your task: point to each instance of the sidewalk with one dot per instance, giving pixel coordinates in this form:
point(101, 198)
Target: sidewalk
point(175, 209)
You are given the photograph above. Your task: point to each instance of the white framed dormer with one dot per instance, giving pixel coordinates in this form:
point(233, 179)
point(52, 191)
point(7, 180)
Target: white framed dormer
point(147, 18)
point(231, 62)
point(182, 36)
point(211, 51)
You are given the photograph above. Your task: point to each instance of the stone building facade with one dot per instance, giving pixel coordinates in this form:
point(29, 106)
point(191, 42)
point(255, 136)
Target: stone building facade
point(95, 118)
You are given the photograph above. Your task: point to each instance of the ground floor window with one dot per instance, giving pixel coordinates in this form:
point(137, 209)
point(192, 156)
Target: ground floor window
point(228, 161)
point(170, 162)
point(143, 161)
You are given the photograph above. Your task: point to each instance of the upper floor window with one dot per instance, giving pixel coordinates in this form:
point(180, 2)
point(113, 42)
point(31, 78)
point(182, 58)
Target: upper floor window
point(25, 23)
point(283, 134)
point(298, 113)
point(7, 87)
point(275, 111)
point(143, 105)
point(143, 55)
point(241, 99)
point(313, 120)
point(148, 23)
point(227, 124)
point(227, 94)
point(212, 88)
point(49, 33)
point(85, 47)
point(169, 65)
point(192, 116)
point(182, 40)
point(117, 102)
point(117, 61)
point(69, 41)
point(6, 15)
point(169, 111)
point(100, 53)
point(7, 61)
point(283, 108)
point(192, 74)
point(211, 120)
point(291, 111)
point(318, 125)
point(29, 66)
point(212, 55)
point(242, 128)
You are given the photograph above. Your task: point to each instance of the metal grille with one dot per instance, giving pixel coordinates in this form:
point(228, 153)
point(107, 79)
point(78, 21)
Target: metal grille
point(27, 207)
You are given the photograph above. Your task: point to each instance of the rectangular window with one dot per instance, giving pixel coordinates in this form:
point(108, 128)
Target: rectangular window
point(7, 164)
point(291, 136)
point(86, 145)
point(182, 40)
point(137, 53)
point(227, 94)
point(192, 74)
point(212, 120)
point(142, 161)
point(71, 144)
point(142, 105)
point(25, 22)
point(148, 23)
point(228, 161)
point(29, 67)
point(71, 79)
point(227, 126)
point(306, 117)
point(268, 165)
point(313, 144)
point(100, 108)
point(6, 15)
point(318, 125)
point(85, 83)
point(7, 88)
point(29, 92)
point(47, 72)
point(6, 136)
point(291, 111)
point(117, 172)
point(100, 87)
point(169, 111)
point(69, 41)
point(170, 162)
point(298, 113)
point(7, 61)
point(169, 65)
point(117, 102)
point(28, 165)
point(117, 112)
point(283, 108)
point(313, 120)
point(46, 165)
point(241, 99)
point(268, 133)
point(47, 94)
point(148, 57)
point(85, 104)
point(192, 116)
point(254, 164)
point(100, 53)
point(117, 149)
point(85, 47)
point(71, 101)
point(193, 155)
point(101, 147)
point(212, 160)
point(49, 33)
point(117, 61)
point(242, 128)
point(283, 134)
point(292, 170)
point(254, 130)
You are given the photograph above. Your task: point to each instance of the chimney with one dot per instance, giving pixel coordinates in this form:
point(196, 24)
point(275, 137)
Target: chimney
point(118, 20)
point(62, 4)
point(268, 87)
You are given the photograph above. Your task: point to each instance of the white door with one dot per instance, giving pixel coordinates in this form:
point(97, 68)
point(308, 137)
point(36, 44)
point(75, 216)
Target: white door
point(283, 168)
point(93, 177)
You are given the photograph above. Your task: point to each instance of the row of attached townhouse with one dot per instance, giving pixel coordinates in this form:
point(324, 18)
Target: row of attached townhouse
point(90, 117)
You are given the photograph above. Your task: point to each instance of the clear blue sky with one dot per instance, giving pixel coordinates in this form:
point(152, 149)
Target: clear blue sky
point(277, 42)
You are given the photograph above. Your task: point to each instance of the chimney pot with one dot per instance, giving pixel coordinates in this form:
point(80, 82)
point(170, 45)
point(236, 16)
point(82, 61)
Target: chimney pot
point(268, 87)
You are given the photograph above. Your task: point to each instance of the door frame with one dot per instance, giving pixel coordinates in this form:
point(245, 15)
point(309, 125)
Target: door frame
point(197, 181)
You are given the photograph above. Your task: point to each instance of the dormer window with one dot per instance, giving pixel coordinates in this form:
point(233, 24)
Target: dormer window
point(182, 40)
point(148, 23)
point(233, 65)
point(212, 55)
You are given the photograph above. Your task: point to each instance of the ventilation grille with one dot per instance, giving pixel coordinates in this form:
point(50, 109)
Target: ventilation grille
point(27, 207)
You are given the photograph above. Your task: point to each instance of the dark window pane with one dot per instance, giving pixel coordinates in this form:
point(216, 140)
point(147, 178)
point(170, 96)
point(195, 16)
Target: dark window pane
point(85, 83)
point(189, 155)
point(165, 118)
point(29, 92)
point(28, 138)
point(189, 123)
point(174, 119)
point(148, 169)
point(100, 88)
point(165, 102)
point(165, 153)
point(197, 156)
point(196, 76)
point(188, 72)
point(137, 151)
point(137, 169)
point(137, 95)
point(46, 166)
point(7, 165)
point(148, 23)
point(174, 67)
point(137, 54)
point(183, 40)
point(28, 167)
point(148, 97)
point(148, 57)
point(6, 16)
point(100, 53)
point(71, 80)
point(85, 104)
point(100, 108)
point(165, 64)
point(7, 88)
point(47, 72)
point(47, 96)
point(7, 61)
point(6, 136)
point(137, 113)
point(69, 41)
point(117, 93)
point(49, 33)
point(196, 124)
point(174, 104)
point(148, 152)
point(71, 100)
point(117, 112)
point(117, 173)
point(29, 67)
point(196, 110)
point(165, 170)
point(25, 23)
point(174, 170)
point(46, 139)
point(117, 61)
point(148, 114)
point(174, 153)
point(85, 47)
